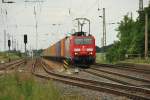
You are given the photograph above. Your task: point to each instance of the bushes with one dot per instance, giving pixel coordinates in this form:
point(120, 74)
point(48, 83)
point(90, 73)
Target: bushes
point(115, 53)
point(131, 38)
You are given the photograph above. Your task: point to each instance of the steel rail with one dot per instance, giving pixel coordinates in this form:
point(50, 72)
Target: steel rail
point(140, 82)
point(109, 78)
point(124, 90)
point(125, 67)
point(10, 64)
point(127, 76)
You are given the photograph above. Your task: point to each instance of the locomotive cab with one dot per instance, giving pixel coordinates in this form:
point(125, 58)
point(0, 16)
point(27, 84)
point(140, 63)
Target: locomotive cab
point(83, 49)
point(78, 48)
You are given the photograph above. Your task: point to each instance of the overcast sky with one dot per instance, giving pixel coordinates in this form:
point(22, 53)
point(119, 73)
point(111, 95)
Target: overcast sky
point(20, 19)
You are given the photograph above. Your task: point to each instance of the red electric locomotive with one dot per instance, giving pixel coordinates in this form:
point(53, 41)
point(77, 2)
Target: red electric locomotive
point(79, 48)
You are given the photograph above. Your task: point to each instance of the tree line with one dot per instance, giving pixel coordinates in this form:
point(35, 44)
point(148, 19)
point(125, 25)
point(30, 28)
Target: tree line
point(131, 37)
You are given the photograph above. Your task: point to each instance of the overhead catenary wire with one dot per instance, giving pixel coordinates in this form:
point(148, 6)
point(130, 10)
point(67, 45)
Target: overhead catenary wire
point(90, 9)
point(87, 11)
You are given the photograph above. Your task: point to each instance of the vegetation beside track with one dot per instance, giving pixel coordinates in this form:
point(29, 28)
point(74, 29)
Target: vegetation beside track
point(136, 61)
point(131, 37)
point(100, 58)
point(25, 87)
point(4, 56)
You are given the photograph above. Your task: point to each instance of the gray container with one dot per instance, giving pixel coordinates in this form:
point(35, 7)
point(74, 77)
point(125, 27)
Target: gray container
point(58, 49)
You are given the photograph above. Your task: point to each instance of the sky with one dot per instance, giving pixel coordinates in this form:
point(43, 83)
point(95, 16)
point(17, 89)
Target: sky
point(55, 19)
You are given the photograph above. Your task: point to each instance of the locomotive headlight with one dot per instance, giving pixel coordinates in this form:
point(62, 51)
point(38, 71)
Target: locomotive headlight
point(75, 53)
point(91, 53)
point(89, 49)
point(76, 49)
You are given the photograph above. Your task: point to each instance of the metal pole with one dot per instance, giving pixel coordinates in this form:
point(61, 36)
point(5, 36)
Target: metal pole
point(78, 26)
point(4, 40)
point(9, 44)
point(25, 54)
point(140, 5)
point(104, 28)
point(9, 54)
point(15, 45)
point(146, 35)
point(25, 49)
point(81, 27)
point(36, 37)
point(36, 27)
point(12, 42)
point(89, 27)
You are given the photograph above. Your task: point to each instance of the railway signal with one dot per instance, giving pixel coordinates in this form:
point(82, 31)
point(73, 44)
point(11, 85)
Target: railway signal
point(9, 44)
point(25, 41)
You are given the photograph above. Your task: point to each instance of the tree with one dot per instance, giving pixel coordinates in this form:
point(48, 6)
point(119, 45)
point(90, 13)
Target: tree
point(131, 37)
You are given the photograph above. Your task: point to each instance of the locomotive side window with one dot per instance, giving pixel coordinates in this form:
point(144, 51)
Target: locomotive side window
point(81, 41)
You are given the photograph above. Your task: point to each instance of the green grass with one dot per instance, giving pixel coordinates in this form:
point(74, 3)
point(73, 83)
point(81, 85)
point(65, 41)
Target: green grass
point(100, 58)
point(5, 56)
point(19, 87)
point(24, 87)
point(137, 60)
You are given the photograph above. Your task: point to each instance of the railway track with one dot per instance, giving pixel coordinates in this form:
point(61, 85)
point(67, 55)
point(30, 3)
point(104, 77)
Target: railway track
point(11, 66)
point(118, 77)
point(132, 92)
point(125, 67)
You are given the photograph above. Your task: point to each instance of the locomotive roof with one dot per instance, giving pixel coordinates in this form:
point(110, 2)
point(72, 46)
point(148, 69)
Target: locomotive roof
point(79, 33)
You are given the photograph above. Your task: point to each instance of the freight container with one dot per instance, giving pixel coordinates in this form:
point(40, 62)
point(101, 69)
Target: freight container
point(67, 47)
point(48, 51)
point(58, 49)
point(63, 47)
point(52, 50)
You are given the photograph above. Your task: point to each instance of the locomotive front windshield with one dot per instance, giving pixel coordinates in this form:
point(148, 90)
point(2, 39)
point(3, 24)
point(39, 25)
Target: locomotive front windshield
point(81, 41)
